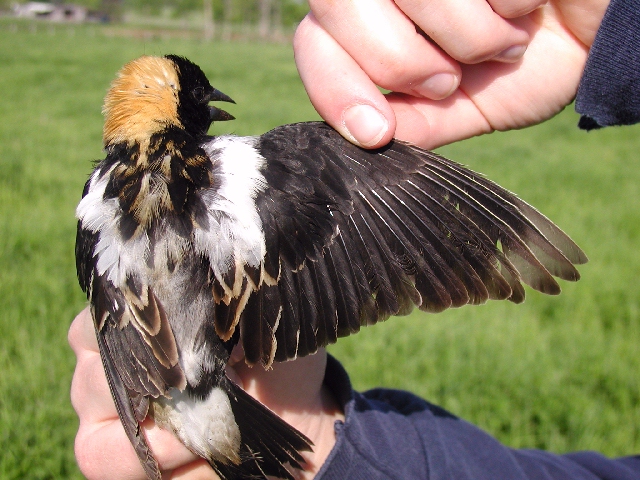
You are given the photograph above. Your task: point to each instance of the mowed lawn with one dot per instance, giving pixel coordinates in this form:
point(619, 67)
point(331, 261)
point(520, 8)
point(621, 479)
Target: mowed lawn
point(559, 373)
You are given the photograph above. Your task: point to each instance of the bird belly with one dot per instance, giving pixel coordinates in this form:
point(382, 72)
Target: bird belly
point(205, 426)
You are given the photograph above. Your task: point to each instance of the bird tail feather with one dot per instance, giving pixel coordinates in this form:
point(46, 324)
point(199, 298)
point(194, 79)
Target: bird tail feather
point(268, 442)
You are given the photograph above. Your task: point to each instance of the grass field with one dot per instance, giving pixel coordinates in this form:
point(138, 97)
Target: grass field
point(557, 373)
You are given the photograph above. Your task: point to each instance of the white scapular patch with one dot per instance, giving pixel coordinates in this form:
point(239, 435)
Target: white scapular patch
point(92, 210)
point(207, 427)
point(114, 257)
point(232, 208)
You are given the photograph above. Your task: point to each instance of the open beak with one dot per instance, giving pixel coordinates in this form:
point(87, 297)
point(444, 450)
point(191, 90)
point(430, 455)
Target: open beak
point(216, 114)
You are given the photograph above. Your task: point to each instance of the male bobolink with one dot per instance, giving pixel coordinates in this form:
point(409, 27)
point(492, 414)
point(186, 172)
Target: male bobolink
point(189, 244)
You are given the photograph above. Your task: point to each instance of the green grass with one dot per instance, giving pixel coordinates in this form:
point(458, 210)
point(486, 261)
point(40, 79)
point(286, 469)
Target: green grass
point(559, 373)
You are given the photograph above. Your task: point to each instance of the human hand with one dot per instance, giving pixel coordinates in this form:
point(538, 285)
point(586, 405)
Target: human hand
point(293, 390)
point(486, 65)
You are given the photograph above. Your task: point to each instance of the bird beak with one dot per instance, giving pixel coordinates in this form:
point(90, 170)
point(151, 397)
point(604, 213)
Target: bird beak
point(217, 114)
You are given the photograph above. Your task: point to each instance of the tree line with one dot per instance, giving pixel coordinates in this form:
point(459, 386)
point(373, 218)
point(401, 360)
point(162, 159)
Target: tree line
point(266, 14)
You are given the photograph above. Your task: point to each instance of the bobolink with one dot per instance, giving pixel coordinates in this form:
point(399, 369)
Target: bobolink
point(188, 244)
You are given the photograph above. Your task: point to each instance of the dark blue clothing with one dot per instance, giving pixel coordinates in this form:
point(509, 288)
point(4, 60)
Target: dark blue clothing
point(609, 89)
point(391, 434)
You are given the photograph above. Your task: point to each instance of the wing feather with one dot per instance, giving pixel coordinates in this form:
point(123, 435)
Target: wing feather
point(288, 332)
point(327, 331)
point(397, 294)
point(358, 236)
point(464, 245)
point(423, 261)
point(129, 412)
point(260, 339)
point(434, 251)
point(501, 210)
point(308, 312)
point(355, 304)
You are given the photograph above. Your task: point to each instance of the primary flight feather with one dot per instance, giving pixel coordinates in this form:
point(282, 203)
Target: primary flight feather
point(188, 244)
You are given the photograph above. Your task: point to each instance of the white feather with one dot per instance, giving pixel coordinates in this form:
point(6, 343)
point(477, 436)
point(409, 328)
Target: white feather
point(232, 210)
point(206, 427)
point(92, 210)
point(115, 258)
point(193, 356)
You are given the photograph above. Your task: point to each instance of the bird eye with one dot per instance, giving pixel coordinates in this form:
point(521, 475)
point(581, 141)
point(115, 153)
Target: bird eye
point(199, 94)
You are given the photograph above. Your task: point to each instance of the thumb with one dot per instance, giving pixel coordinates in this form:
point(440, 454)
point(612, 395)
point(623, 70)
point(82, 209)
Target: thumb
point(340, 90)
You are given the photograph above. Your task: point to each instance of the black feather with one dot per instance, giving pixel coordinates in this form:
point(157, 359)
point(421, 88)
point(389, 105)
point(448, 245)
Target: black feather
point(259, 340)
point(128, 413)
point(268, 443)
point(85, 261)
point(290, 316)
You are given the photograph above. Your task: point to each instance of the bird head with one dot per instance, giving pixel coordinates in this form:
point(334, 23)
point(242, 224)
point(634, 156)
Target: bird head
point(153, 94)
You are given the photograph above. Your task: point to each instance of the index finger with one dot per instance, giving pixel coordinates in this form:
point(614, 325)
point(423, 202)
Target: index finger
point(388, 47)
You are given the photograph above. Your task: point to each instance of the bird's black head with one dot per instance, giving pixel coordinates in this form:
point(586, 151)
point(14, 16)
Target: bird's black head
point(151, 95)
point(194, 95)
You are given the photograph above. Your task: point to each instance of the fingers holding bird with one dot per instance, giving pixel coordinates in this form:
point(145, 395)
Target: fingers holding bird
point(345, 50)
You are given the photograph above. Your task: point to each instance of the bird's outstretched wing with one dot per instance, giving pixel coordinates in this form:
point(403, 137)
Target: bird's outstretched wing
point(355, 236)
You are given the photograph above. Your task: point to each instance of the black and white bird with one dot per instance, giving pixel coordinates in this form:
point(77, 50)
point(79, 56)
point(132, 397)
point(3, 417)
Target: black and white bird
point(188, 244)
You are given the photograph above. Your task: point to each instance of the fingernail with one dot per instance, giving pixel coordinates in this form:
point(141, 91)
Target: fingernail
point(511, 54)
point(365, 124)
point(438, 86)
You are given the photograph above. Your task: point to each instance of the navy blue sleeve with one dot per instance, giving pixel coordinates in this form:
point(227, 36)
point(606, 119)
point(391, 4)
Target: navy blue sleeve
point(625, 468)
point(609, 91)
point(395, 435)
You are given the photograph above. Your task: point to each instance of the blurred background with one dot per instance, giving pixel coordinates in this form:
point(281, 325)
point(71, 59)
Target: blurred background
point(205, 19)
point(559, 373)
